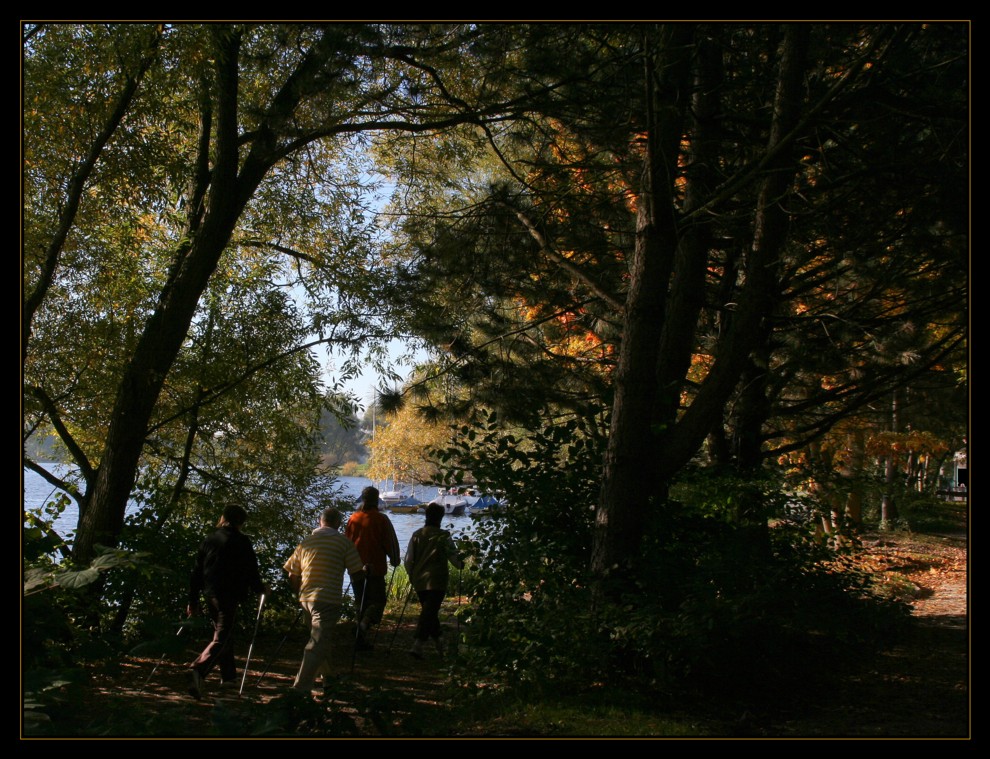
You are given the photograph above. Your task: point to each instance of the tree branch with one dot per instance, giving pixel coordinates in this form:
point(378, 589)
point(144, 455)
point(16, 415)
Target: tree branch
point(52, 412)
point(76, 186)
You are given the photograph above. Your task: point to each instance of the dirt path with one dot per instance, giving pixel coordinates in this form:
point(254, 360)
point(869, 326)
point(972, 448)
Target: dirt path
point(380, 692)
point(919, 687)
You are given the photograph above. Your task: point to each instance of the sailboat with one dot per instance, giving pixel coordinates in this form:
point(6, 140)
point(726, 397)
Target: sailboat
point(454, 502)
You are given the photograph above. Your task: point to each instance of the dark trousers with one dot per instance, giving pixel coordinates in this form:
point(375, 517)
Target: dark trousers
point(428, 625)
point(220, 650)
point(370, 592)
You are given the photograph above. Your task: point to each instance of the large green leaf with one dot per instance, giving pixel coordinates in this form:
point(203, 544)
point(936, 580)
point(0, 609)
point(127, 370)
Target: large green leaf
point(74, 580)
point(36, 579)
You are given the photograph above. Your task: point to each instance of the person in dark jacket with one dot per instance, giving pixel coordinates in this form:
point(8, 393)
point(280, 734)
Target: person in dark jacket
point(430, 551)
point(226, 571)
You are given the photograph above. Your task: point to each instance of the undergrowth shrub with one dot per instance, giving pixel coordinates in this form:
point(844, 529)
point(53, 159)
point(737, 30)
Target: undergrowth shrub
point(721, 604)
point(529, 619)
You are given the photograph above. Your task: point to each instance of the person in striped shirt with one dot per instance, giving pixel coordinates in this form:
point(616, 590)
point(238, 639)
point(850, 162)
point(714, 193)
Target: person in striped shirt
point(316, 573)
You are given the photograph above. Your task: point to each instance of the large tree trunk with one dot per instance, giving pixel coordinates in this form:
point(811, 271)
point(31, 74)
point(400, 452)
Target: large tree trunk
point(159, 344)
point(226, 190)
point(640, 459)
point(770, 223)
point(628, 482)
point(185, 466)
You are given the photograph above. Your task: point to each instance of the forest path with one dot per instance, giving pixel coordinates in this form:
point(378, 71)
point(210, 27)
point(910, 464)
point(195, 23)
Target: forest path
point(918, 687)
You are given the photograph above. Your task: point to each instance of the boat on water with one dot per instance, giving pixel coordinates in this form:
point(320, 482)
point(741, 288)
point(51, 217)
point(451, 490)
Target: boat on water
point(485, 506)
point(391, 497)
point(405, 509)
point(401, 496)
point(455, 500)
point(409, 505)
point(398, 500)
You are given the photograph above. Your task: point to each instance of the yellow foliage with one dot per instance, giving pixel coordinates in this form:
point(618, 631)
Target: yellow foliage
point(400, 448)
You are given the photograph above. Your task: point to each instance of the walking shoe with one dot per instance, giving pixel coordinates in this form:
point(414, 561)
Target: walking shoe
point(195, 684)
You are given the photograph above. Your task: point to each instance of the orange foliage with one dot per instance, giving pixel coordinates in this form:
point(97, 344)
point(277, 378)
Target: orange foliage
point(900, 444)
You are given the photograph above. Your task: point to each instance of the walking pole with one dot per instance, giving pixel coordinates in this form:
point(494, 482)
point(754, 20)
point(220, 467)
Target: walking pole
point(357, 627)
point(457, 616)
point(399, 623)
point(272, 658)
point(160, 661)
point(388, 592)
point(261, 604)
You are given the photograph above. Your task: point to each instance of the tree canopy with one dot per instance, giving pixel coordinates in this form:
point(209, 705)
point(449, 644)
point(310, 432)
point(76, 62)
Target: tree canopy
point(732, 236)
point(212, 189)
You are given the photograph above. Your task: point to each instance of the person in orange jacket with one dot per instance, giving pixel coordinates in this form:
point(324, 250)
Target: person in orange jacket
point(374, 536)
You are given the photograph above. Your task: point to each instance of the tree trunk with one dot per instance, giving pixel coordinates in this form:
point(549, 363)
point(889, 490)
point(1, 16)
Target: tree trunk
point(227, 188)
point(770, 224)
point(641, 459)
point(159, 344)
point(854, 472)
point(888, 507)
point(185, 466)
point(629, 483)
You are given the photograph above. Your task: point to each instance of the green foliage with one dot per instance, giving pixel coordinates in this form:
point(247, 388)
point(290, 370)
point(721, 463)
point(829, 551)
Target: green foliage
point(290, 714)
point(722, 604)
point(38, 579)
point(598, 715)
point(47, 694)
point(719, 602)
point(39, 537)
point(398, 587)
point(528, 622)
point(919, 511)
point(934, 514)
point(58, 631)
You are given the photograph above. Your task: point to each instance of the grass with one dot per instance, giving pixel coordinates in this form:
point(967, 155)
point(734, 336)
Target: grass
point(505, 717)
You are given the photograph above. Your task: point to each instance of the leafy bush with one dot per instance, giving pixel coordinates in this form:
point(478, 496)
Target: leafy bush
point(529, 620)
point(926, 511)
point(729, 606)
point(721, 600)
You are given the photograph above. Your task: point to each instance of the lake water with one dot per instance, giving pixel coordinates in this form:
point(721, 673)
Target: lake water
point(37, 491)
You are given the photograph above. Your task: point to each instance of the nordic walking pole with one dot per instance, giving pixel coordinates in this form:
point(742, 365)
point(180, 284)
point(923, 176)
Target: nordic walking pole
point(272, 658)
point(388, 592)
point(357, 630)
point(261, 604)
point(160, 660)
point(457, 616)
point(399, 623)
